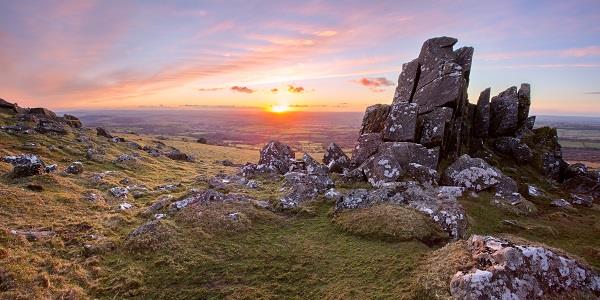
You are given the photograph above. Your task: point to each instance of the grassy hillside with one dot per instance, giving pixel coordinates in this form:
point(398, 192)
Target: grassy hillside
point(203, 252)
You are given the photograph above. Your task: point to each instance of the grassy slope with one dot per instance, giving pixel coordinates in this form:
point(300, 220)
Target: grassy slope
point(275, 255)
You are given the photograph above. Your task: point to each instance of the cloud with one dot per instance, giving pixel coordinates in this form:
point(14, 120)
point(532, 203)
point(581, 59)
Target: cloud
point(295, 89)
point(592, 93)
point(274, 90)
point(209, 89)
point(242, 89)
point(376, 85)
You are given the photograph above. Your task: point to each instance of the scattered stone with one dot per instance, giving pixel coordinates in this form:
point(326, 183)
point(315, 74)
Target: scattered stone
point(252, 184)
point(533, 191)
point(25, 165)
point(119, 192)
point(50, 168)
point(335, 159)
point(125, 158)
point(158, 205)
point(125, 206)
point(582, 200)
point(51, 126)
point(560, 203)
point(92, 197)
point(333, 194)
point(201, 140)
point(75, 168)
point(33, 235)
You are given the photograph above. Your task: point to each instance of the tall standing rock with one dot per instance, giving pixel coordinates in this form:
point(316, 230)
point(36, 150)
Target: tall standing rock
point(374, 118)
point(524, 95)
point(481, 122)
point(407, 81)
point(504, 110)
point(401, 123)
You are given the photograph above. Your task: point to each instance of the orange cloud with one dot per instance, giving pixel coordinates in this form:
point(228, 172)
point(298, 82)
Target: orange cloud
point(274, 90)
point(242, 89)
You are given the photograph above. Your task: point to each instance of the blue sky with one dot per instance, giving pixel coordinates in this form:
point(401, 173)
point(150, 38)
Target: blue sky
point(310, 55)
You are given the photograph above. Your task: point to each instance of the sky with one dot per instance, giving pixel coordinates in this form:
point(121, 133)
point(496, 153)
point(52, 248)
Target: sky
point(306, 55)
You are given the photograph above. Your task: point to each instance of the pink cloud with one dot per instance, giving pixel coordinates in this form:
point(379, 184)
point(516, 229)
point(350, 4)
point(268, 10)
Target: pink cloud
point(242, 89)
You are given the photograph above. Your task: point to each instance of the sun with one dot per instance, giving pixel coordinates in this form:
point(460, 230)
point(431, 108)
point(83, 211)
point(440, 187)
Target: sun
point(280, 108)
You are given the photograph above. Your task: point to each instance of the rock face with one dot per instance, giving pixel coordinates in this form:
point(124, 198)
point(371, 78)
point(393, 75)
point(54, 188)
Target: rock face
point(504, 270)
point(335, 159)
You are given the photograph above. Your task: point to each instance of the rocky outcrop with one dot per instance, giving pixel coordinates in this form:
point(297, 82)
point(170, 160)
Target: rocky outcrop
point(506, 270)
point(104, 133)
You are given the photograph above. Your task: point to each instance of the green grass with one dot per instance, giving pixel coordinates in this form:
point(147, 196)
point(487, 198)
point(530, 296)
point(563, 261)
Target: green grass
point(303, 258)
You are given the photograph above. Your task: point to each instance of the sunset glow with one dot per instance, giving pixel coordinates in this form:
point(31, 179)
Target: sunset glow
point(281, 108)
point(325, 55)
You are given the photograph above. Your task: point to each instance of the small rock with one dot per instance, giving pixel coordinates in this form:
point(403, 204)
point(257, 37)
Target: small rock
point(119, 192)
point(560, 203)
point(75, 168)
point(125, 206)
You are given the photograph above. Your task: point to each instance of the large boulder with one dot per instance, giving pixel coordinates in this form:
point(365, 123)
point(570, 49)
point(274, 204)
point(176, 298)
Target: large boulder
point(335, 159)
point(506, 270)
point(401, 123)
point(504, 110)
point(382, 168)
point(25, 165)
point(374, 118)
point(366, 146)
point(471, 173)
point(277, 155)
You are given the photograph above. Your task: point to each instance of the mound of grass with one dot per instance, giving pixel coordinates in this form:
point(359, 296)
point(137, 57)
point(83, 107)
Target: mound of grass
point(390, 222)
